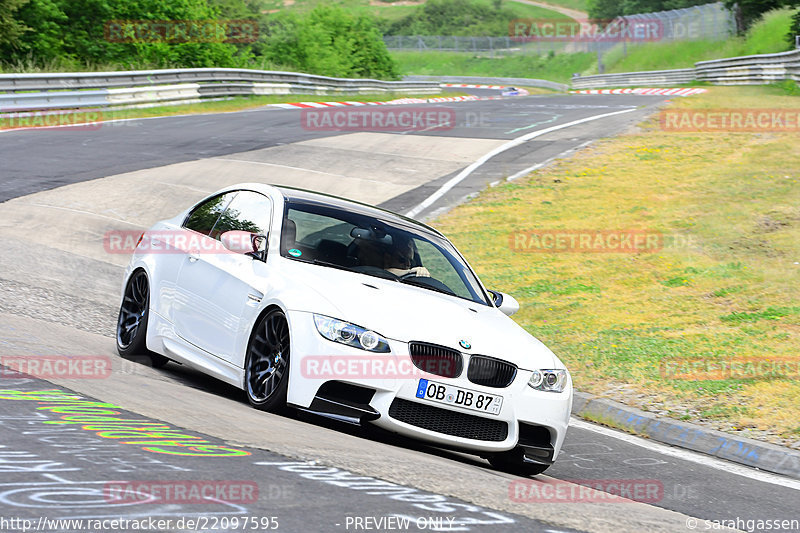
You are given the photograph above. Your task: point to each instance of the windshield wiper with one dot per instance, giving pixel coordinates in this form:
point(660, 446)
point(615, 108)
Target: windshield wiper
point(413, 281)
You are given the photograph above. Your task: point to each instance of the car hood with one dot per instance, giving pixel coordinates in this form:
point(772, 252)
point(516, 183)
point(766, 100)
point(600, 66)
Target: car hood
point(406, 313)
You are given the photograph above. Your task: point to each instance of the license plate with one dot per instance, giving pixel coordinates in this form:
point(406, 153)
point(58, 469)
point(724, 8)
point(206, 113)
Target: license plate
point(450, 395)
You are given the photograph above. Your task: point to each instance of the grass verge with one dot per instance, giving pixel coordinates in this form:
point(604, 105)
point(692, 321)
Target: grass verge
point(559, 67)
point(725, 286)
point(768, 35)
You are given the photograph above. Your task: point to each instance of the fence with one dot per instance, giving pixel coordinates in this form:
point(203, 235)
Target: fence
point(19, 92)
point(709, 21)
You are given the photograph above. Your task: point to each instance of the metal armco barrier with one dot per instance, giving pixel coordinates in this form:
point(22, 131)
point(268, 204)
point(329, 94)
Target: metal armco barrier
point(527, 82)
point(751, 70)
point(634, 79)
point(746, 70)
point(29, 92)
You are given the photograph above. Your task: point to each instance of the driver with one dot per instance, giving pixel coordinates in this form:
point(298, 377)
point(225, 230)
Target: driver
point(399, 258)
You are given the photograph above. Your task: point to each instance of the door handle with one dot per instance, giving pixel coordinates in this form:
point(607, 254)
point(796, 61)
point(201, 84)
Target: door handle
point(193, 257)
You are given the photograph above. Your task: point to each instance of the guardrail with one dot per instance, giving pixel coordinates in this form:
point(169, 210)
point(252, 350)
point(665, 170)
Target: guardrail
point(751, 70)
point(527, 82)
point(746, 70)
point(29, 92)
point(634, 79)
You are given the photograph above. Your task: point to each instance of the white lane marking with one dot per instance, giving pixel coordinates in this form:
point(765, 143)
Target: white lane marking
point(277, 165)
point(502, 148)
point(79, 211)
point(687, 455)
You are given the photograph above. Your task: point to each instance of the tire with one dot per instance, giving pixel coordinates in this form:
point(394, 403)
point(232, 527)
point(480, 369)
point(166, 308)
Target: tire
point(266, 378)
point(513, 462)
point(132, 322)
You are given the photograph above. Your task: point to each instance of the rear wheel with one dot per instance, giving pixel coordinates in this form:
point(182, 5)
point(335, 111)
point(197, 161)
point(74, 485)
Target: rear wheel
point(132, 322)
point(513, 462)
point(267, 363)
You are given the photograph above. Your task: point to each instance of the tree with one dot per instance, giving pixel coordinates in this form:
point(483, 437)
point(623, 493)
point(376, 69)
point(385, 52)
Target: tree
point(794, 31)
point(328, 41)
point(74, 30)
point(10, 27)
point(747, 12)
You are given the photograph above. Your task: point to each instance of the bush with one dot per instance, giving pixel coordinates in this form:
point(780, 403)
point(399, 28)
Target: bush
point(454, 17)
point(73, 31)
point(328, 41)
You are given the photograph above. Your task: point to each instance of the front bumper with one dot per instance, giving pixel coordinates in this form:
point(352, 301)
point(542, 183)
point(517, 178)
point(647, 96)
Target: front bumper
point(527, 413)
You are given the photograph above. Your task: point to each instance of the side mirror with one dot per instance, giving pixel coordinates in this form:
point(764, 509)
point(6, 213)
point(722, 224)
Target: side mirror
point(244, 242)
point(506, 303)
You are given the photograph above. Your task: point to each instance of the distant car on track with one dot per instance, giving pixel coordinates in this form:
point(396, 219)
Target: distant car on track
point(315, 302)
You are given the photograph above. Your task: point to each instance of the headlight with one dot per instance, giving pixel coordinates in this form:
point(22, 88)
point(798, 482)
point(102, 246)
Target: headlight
point(350, 334)
point(549, 380)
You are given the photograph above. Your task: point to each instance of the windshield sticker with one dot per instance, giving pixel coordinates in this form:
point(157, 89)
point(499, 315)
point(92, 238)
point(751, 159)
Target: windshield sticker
point(294, 252)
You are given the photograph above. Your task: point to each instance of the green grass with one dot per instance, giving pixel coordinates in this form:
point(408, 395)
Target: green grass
point(580, 5)
point(729, 291)
point(767, 36)
point(393, 11)
point(558, 68)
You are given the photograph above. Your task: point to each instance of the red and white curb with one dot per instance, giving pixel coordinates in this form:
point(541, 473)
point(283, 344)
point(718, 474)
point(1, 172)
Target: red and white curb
point(520, 92)
point(686, 91)
point(399, 101)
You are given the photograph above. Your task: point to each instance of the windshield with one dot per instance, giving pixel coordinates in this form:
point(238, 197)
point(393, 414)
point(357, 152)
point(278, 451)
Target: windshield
point(332, 237)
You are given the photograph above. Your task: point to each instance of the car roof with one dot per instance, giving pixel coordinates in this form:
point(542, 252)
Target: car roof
point(312, 197)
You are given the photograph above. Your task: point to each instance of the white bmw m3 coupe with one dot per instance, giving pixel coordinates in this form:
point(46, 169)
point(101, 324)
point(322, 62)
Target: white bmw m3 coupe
point(328, 305)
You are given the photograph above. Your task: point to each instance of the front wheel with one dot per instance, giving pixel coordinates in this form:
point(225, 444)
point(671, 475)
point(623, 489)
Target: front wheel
point(132, 322)
point(267, 363)
point(513, 462)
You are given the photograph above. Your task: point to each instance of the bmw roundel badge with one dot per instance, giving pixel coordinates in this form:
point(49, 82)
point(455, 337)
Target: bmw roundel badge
point(464, 344)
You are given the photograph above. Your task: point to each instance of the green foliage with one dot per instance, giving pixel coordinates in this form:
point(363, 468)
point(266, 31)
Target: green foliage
point(764, 37)
point(558, 68)
point(609, 9)
point(327, 41)
point(749, 11)
point(10, 28)
point(73, 30)
point(462, 17)
point(795, 29)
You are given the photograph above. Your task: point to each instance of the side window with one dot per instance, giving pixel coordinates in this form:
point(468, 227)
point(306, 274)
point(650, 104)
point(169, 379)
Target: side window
point(249, 211)
point(205, 215)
